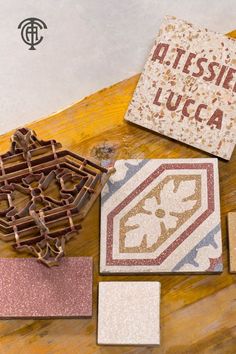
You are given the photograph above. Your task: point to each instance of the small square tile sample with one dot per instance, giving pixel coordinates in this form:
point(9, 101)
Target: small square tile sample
point(188, 88)
point(29, 289)
point(232, 240)
point(161, 215)
point(129, 313)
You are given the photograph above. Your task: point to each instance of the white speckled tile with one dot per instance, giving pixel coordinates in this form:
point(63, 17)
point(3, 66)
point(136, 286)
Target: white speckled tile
point(232, 240)
point(161, 215)
point(29, 289)
point(129, 313)
point(188, 88)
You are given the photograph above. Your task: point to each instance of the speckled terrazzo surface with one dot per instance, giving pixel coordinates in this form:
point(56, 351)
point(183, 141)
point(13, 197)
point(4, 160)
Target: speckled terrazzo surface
point(232, 240)
point(129, 313)
point(188, 88)
point(30, 289)
point(161, 215)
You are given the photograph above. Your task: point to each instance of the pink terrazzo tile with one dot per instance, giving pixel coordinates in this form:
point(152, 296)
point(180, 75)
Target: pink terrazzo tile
point(29, 289)
point(188, 88)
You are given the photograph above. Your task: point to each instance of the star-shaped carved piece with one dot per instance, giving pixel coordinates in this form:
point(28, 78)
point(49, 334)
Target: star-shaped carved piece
point(45, 193)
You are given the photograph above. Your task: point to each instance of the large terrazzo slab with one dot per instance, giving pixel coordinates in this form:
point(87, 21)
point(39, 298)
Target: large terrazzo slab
point(161, 215)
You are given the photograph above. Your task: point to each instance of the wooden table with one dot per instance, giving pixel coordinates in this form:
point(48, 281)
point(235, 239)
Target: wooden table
point(198, 312)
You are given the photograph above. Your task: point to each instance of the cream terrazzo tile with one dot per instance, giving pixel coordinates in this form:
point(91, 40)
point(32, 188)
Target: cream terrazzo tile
point(129, 313)
point(232, 240)
point(161, 215)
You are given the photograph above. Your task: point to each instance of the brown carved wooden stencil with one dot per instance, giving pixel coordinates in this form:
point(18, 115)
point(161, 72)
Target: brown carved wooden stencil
point(45, 193)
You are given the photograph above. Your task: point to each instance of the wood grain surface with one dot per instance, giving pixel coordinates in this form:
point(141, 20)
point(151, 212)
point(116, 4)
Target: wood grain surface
point(198, 312)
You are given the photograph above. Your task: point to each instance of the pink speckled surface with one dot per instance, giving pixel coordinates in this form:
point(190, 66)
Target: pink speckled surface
point(29, 289)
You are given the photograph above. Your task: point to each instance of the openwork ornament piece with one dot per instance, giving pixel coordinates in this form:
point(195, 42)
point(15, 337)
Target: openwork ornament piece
point(45, 193)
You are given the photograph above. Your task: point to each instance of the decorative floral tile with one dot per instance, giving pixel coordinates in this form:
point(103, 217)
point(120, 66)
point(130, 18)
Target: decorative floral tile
point(188, 88)
point(232, 240)
point(29, 289)
point(129, 313)
point(161, 216)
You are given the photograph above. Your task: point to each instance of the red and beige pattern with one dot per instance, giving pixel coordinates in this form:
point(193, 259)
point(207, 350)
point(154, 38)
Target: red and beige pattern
point(161, 216)
point(188, 88)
